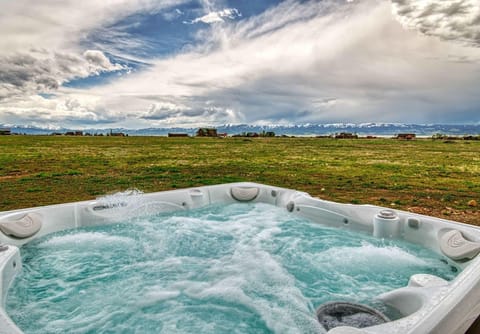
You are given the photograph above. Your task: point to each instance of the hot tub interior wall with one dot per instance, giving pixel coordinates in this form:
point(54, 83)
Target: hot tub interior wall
point(414, 228)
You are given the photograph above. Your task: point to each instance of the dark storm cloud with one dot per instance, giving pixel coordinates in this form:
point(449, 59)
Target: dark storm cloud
point(195, 111)
point(37, 72)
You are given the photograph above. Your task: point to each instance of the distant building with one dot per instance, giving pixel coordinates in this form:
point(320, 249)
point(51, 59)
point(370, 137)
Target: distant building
point(406, 136)
point(5, 132)
point(177, 135)
point(74, 133)
point(206, 132)
point(116, 134)
point(346, 135)
point(267, 134)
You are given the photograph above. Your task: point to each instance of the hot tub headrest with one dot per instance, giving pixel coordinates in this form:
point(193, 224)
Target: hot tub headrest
point(244, 194)
point(454, 245)
point(22, 228)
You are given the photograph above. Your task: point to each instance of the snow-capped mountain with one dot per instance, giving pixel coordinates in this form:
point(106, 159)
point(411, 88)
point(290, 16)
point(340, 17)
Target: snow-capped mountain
point(375, 129)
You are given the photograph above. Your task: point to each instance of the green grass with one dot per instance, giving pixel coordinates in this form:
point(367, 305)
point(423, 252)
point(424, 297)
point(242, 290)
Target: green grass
point(425, 176)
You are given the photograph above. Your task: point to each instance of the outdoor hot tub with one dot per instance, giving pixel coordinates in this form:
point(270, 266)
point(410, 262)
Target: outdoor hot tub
point(240, 257)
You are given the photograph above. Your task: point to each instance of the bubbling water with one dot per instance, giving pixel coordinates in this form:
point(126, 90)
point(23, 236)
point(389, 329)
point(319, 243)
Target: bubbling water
point(240, 268)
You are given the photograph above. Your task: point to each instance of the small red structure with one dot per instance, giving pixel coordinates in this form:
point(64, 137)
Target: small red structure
point(406, 136)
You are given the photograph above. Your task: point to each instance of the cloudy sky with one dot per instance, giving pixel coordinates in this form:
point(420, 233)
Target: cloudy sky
point(166, 63)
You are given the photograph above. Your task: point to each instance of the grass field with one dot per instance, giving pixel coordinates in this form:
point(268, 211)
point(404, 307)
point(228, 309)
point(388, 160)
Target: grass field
point(429, 177)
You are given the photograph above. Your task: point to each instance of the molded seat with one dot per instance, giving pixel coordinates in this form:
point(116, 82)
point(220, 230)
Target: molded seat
point(22, 228)
point(454, 245)
point(244, 194)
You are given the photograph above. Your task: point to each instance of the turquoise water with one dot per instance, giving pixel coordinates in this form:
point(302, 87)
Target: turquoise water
point(241, 268)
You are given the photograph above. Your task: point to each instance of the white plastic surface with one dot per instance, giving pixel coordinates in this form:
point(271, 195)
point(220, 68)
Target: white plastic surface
point(10, 264)
point(386, 224)
point(244, 194)
point(24, 227)
point(428, 304)
point(454, 245)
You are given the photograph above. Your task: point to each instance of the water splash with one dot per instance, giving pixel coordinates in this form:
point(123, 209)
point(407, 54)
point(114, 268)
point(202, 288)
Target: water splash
point(119, 200)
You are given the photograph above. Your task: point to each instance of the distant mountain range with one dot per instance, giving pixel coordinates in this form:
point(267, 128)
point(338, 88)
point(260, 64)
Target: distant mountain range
point(362, 129)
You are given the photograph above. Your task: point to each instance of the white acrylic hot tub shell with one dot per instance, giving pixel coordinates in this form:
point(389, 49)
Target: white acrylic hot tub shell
point(428, 307)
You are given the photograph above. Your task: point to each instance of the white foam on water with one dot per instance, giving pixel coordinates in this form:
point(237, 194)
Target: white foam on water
point(236, 277)
point(86, 239)
point(253, 274)
point(369, 255)
point(154, 295)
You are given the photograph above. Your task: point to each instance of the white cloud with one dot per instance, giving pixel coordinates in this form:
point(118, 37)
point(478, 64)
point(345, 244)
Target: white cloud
point(457, 20)
point(41, 48)
point(165, 110)
point(173, 15)
point(167, 113)
point(301, 61)
point(218, 16)
point(56, 25)
point(74, 111)
point(357, 56)
point(99, 62)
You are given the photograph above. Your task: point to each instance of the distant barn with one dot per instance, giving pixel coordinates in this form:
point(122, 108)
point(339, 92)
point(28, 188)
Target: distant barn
point(406, 136)
point(74, 133)
point(346, 135)
point(116, 134)
point(207, 132)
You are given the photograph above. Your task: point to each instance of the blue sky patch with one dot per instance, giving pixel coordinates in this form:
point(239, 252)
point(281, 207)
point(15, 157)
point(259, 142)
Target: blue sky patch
point(47, 95)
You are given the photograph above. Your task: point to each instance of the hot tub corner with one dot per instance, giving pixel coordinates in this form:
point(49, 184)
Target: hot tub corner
point(10, 266)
